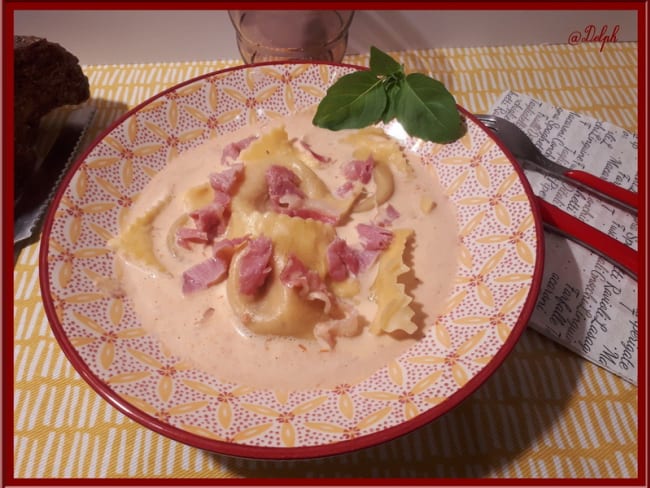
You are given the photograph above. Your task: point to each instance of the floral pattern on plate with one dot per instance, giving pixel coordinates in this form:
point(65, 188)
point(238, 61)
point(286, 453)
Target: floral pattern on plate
point(492, 295)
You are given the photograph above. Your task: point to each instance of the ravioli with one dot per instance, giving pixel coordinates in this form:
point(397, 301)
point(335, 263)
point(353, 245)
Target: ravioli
point(136, 243)
point(393, 304)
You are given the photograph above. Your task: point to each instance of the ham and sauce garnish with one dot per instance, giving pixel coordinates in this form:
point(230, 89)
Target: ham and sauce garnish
point(211, 220)
point(270, 247)
point(283, 193)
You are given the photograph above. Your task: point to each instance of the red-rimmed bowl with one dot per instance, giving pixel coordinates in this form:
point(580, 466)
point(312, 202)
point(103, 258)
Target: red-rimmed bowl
point(493, 293)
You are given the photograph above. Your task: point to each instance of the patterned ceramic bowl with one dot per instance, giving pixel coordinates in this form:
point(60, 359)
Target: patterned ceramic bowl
point(493, 292)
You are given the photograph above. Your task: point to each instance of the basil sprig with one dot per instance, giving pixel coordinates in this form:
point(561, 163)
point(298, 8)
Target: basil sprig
point(385, 92)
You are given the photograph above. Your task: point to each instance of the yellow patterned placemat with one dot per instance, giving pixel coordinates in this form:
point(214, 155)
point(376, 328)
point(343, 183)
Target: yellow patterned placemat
point(545, 413)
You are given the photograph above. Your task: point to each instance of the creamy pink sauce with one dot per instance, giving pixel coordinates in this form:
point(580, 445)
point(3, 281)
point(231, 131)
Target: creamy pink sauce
point(216, 343)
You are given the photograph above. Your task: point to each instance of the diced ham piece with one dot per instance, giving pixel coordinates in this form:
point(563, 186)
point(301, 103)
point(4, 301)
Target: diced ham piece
point(306, 282)
point(318, 157)
point(222, 199)
point(358, 170)
point(255, 265)
point(224, 181)
point(232, 150)
point(282, 183)
point(386, 216)
point(341, 260)
point(344, 189)
point(213, 269)
point(212, 218)
point(296, 275)
point(286, 196)
point(204, 274)
point(391, 212)
point(225, 248)
point(367, 258)
point(374, 237)
point(185, 235)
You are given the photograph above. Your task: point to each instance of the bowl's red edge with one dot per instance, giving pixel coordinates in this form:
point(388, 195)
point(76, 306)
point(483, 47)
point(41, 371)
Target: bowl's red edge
point(279, 453)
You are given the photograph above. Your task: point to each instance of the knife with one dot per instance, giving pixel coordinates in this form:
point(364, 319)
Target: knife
point(558, 221)
point(40, 188)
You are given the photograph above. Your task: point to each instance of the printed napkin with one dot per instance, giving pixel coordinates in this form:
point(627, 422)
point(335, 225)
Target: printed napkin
point(586, 304)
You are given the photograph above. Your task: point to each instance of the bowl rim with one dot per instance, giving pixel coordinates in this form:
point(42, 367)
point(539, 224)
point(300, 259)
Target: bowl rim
point(267, 452)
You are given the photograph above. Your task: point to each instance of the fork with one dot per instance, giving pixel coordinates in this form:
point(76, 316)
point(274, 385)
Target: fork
point(555, 219)
point(525, 151)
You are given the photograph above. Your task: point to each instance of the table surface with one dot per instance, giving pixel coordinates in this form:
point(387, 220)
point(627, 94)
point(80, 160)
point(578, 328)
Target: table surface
point(545, 413)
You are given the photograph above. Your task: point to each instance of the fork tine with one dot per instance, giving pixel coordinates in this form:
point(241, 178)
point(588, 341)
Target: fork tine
point(487, 120)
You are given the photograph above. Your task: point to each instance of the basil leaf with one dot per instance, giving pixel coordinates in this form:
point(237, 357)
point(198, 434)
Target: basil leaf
point(354, 101)
point(382, 64)
point(384, 92)
point(392, 90)
point(427, 110)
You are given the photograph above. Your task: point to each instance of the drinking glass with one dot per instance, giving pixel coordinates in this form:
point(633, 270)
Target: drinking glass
point(280, 35)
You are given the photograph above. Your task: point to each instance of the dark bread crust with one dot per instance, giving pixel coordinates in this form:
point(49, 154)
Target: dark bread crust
point(46, 76)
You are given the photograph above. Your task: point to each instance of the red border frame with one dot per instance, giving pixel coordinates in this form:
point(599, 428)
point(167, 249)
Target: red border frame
point(9, 6)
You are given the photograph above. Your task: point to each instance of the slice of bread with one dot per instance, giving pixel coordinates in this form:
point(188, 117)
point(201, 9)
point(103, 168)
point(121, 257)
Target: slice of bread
point(46, 76)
